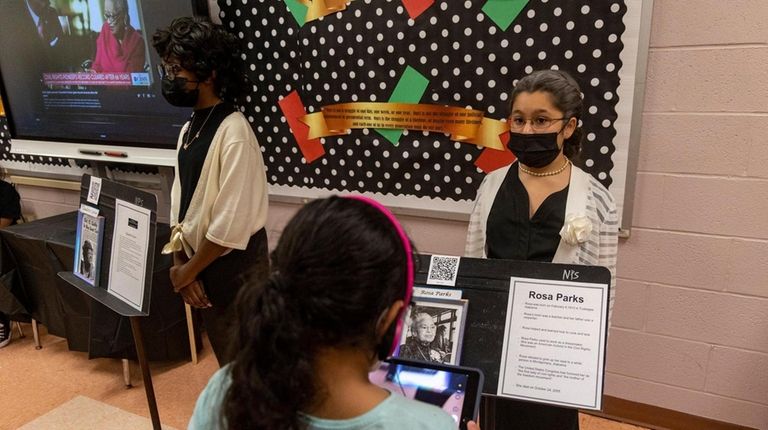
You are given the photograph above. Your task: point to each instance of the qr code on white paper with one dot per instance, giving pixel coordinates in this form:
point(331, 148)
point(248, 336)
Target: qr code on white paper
point(443, 270)
point(94, 190)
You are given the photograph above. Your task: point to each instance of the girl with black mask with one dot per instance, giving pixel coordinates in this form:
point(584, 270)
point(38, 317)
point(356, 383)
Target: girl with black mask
point(219, 195)
point(544, 208)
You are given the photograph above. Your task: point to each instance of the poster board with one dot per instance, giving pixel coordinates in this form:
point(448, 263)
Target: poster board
point(109, 197)
point(464, 54)
point(485, 284)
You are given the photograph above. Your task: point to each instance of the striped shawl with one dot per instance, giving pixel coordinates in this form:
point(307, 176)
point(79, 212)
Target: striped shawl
point(586, 197)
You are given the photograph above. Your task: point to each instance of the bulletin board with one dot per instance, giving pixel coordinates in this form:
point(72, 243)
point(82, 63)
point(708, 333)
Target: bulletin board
point(335, 84)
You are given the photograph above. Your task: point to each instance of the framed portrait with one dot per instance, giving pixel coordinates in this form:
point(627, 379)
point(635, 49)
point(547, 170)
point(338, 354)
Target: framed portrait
point(433, 330)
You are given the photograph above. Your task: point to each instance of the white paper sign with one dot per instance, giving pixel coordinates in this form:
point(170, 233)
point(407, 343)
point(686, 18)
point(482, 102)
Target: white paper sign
point(437, 293)
point(90, 210)
point(94, 190)
point(130, 245)
point(554, 343)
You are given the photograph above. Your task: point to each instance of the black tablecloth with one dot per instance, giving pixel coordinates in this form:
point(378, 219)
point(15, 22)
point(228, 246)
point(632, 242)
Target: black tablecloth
point(33, 253)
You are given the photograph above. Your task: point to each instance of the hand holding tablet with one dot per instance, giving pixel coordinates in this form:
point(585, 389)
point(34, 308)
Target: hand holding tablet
point(454, 389)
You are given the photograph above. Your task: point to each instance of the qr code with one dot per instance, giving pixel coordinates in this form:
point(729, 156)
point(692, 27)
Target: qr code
point(443, 270)
point(94, 190)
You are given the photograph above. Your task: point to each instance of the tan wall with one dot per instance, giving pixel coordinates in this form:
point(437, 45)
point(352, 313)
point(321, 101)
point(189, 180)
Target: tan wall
point(690, 328)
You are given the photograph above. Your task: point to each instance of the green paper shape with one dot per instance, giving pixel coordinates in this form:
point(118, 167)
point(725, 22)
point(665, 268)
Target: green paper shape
point(409, 89)
point(504, 12)
point(298, 10)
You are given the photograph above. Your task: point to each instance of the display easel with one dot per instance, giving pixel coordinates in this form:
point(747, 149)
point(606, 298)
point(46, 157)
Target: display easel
point(485, 284)
point(110, 192)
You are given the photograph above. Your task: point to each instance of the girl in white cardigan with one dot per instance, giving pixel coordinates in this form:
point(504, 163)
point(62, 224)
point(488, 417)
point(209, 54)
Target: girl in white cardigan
point(219, 195)
point(544, 208)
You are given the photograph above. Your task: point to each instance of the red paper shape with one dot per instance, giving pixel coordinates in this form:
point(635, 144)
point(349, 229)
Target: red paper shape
point(417, 7)
point(293, 109)
point(492, 159)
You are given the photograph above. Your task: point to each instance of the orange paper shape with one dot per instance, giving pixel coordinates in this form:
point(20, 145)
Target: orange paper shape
point(492, 159)
point(293, 109)
point(417, 7)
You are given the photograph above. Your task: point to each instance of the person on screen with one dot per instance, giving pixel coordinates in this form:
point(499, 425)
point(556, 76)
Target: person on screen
point(422, 345)
point(31, 30)
point(119, 47)
point(544, 208)
point(46, 19)
point(219, 195)
point(32, 43)
point(86, 260)
point(308, 336)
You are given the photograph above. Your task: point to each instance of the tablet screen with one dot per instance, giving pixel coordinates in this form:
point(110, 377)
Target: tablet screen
point(442, 388)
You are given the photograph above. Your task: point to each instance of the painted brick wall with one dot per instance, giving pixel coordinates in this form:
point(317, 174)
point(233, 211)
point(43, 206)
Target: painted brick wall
point(690, 329)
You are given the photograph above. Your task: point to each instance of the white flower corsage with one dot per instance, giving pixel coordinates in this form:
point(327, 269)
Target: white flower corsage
point(576, 229)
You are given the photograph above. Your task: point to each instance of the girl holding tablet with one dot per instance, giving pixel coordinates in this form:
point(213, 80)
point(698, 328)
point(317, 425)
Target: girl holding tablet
point(307, 338)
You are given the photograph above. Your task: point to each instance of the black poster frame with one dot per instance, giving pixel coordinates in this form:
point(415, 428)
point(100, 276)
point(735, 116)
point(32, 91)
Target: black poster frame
point(110, 192)
point(485, 283)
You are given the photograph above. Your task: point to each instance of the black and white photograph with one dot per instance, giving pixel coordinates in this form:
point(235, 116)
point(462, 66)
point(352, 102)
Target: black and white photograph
point(87, 263)
point(433, 331)
point(88, 246)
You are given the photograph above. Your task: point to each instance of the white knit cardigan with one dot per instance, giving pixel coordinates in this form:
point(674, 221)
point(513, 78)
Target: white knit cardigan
point(230, 201)
point(586, 197)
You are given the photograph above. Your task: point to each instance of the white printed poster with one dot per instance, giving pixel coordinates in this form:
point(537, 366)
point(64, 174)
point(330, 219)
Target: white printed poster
point(554, 342)
point(130, 245)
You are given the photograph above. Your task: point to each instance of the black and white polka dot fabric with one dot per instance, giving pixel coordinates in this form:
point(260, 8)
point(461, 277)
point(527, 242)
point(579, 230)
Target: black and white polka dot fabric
point(359, 54)
point(5, 149)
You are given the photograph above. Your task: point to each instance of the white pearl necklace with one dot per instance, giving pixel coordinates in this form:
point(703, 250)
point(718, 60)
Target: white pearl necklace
point(552, 173)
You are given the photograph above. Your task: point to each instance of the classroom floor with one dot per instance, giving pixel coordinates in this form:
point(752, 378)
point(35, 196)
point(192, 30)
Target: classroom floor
point(57, 388)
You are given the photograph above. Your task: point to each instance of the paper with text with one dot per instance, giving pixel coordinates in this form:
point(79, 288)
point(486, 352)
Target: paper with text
point(554, 342)
point(130, 245)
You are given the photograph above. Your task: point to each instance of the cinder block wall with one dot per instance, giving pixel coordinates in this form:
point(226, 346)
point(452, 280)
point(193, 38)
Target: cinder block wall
point(690, 327)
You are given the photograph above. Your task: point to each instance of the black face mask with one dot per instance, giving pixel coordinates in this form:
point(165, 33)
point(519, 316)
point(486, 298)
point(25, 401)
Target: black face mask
point(534, 150)
point(175, 92)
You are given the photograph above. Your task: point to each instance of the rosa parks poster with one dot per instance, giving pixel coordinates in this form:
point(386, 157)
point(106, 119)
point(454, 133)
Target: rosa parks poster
point(434, 331)
point(88, 243)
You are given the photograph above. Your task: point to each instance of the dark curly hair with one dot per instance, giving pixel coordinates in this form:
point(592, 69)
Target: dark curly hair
point(202, 48)
point(565, 95)
point(338, 266)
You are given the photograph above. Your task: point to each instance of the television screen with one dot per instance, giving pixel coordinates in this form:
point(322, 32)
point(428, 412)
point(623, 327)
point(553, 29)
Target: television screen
point(84, 71)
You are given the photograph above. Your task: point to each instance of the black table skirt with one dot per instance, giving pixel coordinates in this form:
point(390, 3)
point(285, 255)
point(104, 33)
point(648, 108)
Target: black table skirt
point(32, 254)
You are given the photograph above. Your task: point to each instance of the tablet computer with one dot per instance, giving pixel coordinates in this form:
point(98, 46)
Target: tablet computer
point(454, 389)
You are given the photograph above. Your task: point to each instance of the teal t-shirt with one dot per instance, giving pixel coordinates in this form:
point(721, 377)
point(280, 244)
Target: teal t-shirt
point(395, 412)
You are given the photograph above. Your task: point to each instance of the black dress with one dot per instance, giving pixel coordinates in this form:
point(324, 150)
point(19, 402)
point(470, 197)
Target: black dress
point(10, 202)
point(222, 279)
point(511, 234)
point(10, 208)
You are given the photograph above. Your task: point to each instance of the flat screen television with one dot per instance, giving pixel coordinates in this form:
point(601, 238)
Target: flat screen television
point(79, 78)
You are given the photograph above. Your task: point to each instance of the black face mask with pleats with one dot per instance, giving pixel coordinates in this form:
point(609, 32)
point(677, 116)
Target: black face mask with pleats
point(534, 150)
point(176, 93)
